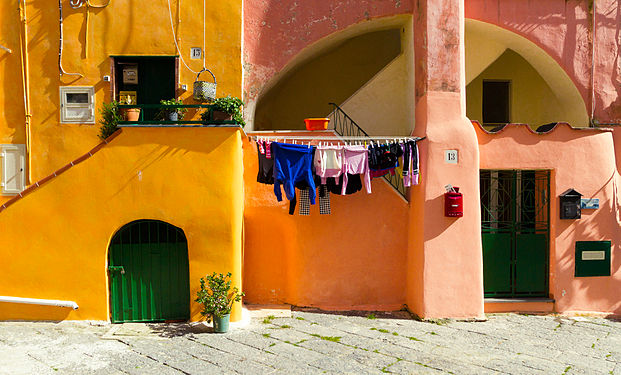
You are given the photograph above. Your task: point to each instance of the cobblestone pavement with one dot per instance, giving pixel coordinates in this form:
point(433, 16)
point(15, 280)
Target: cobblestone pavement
point(313, 342)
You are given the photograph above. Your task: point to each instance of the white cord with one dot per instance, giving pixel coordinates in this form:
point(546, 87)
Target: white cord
point(172, 27)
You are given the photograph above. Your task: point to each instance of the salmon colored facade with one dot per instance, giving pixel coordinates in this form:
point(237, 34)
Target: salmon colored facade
point(397, 67)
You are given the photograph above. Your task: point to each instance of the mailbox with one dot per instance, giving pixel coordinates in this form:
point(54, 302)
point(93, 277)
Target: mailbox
point(570, 204)
point(453, 203)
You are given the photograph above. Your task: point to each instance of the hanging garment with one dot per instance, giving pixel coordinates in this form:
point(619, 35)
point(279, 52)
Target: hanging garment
point(356, 161)
point(354, 184)
point(410, 164)
point(304, 202)
point(324, 200)
point(383, 157)
point(328, 162)
point(266, 164)
point(292, 163)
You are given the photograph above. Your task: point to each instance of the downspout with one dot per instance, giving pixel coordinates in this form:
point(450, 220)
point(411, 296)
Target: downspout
point(23, 39)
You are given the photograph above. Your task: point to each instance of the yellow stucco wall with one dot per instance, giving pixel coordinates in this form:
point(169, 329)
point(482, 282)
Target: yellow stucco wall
point(531, 100)
point(122, 28)
point(191, 178)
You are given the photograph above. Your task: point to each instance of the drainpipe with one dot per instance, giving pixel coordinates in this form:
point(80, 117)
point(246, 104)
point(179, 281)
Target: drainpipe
point(23, 39)
point(38, 301)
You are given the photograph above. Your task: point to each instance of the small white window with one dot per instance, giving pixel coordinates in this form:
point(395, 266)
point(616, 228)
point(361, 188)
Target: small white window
point(77, 104)
point(13, 168)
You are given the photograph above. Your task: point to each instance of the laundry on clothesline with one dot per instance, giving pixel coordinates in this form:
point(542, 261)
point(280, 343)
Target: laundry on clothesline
point(334, 165)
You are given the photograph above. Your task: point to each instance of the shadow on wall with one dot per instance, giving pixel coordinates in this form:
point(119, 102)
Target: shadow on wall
point(598, 291)
point(332, 76)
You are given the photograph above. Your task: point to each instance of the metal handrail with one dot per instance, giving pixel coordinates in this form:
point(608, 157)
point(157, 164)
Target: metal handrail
point(346, 126)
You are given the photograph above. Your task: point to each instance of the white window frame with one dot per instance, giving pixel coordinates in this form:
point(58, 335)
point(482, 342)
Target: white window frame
point(21, 151)
point(90, 90)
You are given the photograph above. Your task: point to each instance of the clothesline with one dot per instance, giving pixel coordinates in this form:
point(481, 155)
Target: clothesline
point(335, 138)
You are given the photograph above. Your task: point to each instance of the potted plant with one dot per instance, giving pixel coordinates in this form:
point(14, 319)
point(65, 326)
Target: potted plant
point(225, 109)
point(110, 118)
point(171, 114)
point(130, 114)
point(217, 298)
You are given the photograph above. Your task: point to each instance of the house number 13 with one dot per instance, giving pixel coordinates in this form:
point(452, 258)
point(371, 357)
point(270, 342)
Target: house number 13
point(450, 156)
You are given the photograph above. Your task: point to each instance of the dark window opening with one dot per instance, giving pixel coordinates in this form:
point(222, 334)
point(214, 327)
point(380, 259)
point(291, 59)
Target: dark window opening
point(496, 97)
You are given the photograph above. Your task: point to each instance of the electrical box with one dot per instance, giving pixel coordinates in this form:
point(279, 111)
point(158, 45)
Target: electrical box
point(570, 204)
point(130, 74)
point(453, 203)
point(592, 258)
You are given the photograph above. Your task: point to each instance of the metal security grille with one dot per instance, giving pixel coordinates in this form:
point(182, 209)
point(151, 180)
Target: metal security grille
point(149, 273)
point(515, 226)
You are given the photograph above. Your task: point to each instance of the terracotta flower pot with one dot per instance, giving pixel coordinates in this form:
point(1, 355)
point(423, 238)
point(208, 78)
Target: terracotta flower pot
point(131, 114)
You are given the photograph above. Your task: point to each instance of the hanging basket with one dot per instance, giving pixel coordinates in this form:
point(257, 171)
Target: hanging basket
point(203, 90)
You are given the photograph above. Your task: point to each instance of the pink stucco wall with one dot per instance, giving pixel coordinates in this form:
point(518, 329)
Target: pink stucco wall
point(276, 31)
point(580, 159)
point(564, 30)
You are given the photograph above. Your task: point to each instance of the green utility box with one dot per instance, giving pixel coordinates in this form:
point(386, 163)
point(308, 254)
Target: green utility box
point(592, 258)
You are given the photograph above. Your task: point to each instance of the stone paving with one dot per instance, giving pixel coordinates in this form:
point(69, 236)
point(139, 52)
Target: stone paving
point(316, 342)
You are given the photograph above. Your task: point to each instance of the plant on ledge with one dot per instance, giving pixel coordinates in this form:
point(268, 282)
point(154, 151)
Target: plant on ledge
point(110, 117)
point(224, 109)
point(217, 298)
point(171, 114)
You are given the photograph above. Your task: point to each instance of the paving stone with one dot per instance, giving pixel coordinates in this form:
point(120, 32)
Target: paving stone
point(505, 343)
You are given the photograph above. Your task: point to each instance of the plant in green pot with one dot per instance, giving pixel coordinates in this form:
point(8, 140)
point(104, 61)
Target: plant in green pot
point(110, 117)
point(171, 114)
point(225, 109)
point(217, 298)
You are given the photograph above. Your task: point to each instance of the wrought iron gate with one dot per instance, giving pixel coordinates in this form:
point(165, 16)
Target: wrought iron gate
point(515, 227)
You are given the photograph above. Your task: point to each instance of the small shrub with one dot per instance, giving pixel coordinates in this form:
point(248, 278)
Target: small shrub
point(110, 117)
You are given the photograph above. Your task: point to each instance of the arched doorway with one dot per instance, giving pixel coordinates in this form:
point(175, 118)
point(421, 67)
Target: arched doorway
point(149, 273)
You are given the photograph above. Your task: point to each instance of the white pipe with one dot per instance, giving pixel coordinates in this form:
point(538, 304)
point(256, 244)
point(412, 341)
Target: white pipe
point(38, 301)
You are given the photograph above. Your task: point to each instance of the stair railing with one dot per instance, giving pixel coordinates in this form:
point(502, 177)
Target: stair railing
point(345, 126)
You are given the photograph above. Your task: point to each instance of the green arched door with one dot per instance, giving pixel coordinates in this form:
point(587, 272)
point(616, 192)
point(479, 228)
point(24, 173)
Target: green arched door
point(149, 273)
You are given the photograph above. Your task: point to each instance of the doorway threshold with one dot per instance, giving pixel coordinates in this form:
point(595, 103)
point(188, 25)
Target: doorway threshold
point(519, 305)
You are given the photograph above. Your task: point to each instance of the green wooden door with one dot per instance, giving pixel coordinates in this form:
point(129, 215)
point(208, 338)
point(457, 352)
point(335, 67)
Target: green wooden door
point(515, 232)
point(149, 273)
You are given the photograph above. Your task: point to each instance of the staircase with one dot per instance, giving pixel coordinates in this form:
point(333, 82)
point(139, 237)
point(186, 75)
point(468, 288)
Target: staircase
point(345, 126)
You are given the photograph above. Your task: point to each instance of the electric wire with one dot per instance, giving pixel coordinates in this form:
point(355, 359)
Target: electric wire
point(172, 27)
point(60, 47)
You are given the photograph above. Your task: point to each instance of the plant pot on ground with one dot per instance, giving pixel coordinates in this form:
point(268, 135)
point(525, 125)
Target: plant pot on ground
point(225, 109)
point(217, 298)
point(171, 114)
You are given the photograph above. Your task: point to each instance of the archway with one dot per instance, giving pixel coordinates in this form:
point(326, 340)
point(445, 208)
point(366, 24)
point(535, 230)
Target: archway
point(541, 90)
point(367, 69)
point(149, 273)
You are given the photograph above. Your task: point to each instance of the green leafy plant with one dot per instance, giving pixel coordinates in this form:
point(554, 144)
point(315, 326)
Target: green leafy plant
point(110, 117)
point(163, 113)
point(228, 104)
point(216, 295)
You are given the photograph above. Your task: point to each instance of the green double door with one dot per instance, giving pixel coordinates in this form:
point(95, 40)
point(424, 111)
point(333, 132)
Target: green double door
point(149, 273)
point(515, 232)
